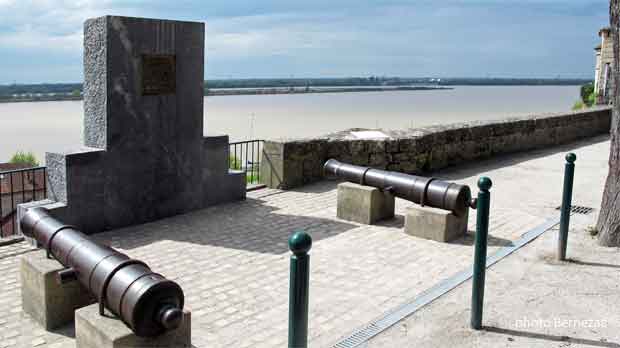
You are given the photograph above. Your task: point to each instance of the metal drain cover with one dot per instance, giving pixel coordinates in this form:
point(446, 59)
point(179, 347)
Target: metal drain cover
point(578, 209)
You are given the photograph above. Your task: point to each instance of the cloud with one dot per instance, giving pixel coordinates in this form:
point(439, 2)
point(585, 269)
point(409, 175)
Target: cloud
point(314, 38)
point(50, 25)
point(29, 39)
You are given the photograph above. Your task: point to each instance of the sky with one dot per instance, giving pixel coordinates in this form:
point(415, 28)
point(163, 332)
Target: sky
point(41, 40)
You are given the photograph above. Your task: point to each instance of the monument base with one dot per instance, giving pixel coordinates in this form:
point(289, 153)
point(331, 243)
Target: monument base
point(49, 303)
point(108, 331)
point(364, 204)
point(435, 224)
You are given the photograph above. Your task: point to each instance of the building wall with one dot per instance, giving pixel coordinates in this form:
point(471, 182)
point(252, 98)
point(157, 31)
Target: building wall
point(604, 85)
point(597, 69)
point(288, 164)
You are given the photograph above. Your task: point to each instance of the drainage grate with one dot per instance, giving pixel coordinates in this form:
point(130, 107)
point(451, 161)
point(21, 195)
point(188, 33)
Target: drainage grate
point(578, 209)
point(360, 336)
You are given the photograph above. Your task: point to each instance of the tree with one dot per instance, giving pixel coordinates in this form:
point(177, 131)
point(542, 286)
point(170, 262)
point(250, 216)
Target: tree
point(608, 223)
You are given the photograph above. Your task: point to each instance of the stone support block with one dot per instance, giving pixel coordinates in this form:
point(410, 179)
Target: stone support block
point(107, 331)
point(49, 303)
point(364, 204)
point(435, 224)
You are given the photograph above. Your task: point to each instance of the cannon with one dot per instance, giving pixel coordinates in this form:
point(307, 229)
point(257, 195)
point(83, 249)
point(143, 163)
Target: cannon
point(148, 303)
point(425, 191)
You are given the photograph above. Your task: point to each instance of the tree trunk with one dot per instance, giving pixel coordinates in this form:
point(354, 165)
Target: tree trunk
point(609, 218)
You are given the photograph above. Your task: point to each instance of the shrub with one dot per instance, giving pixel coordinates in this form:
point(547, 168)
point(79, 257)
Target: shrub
point(588, 97)
point(586, 91)
point(578, 105)
point(28, 158)
point(591, 100)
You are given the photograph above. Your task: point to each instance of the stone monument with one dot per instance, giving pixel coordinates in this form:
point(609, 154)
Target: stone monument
point(144, 155)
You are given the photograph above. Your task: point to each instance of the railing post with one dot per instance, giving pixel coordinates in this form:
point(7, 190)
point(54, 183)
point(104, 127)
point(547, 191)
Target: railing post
point(567, 193)
point(480, 254)
point(299, 243)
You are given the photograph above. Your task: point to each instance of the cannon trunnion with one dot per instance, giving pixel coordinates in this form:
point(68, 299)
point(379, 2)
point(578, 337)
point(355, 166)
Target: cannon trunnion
point(145, 301)
point(421, 190)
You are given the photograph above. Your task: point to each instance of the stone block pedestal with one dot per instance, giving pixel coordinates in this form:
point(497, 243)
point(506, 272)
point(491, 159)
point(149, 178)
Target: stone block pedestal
point(49, 303)
point(364, 204)
point(94, 330)
point(435, 224)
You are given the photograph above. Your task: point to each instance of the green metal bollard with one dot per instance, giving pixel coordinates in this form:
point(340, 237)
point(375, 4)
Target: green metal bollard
point(567, 194)
point(480, 256)
point(299, 243)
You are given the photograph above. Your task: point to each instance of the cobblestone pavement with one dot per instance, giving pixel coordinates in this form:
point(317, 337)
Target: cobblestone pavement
point(232, 260)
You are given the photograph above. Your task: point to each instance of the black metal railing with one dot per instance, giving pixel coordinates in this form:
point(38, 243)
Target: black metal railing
point(16, 187)
point(246, 156)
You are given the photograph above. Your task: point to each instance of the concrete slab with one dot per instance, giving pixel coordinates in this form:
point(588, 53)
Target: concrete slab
point(435, 224)
point(49, 303)
point(363, 204)
point(94, 330)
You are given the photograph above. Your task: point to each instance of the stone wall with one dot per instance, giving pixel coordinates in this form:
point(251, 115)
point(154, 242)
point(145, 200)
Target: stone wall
point(290, 163)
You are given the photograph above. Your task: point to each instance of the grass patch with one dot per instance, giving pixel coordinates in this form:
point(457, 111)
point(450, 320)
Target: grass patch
point(28, 158)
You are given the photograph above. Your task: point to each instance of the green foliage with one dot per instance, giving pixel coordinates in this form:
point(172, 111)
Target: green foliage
point(588, 97)
point(252, 177)
point(586, 91)
point(591, 99)
point(234, 162)
point(578, 105)
point(28, 158)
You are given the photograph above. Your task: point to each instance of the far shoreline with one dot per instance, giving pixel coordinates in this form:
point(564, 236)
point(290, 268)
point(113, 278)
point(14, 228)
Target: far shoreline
point(256, 91)
point(305, 90)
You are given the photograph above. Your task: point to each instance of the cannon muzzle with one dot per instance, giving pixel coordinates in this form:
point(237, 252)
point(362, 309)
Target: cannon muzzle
point(425, 191)
point(145, 301)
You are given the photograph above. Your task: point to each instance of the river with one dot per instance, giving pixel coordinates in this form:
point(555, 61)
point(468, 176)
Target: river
point(57, 126)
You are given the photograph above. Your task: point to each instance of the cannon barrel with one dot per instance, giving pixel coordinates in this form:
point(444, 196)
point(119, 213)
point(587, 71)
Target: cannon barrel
point(146, 302)
point(421, 190)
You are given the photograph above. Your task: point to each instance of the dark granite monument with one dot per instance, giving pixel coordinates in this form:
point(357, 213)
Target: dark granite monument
point(144, 155)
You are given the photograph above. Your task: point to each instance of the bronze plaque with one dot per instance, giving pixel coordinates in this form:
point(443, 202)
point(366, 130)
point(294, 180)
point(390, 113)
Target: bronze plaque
point(158, 74)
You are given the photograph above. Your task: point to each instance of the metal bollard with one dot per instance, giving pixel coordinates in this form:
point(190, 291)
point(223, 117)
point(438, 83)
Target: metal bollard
point(480, 255)
point(567, 194)
point(299, 243)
